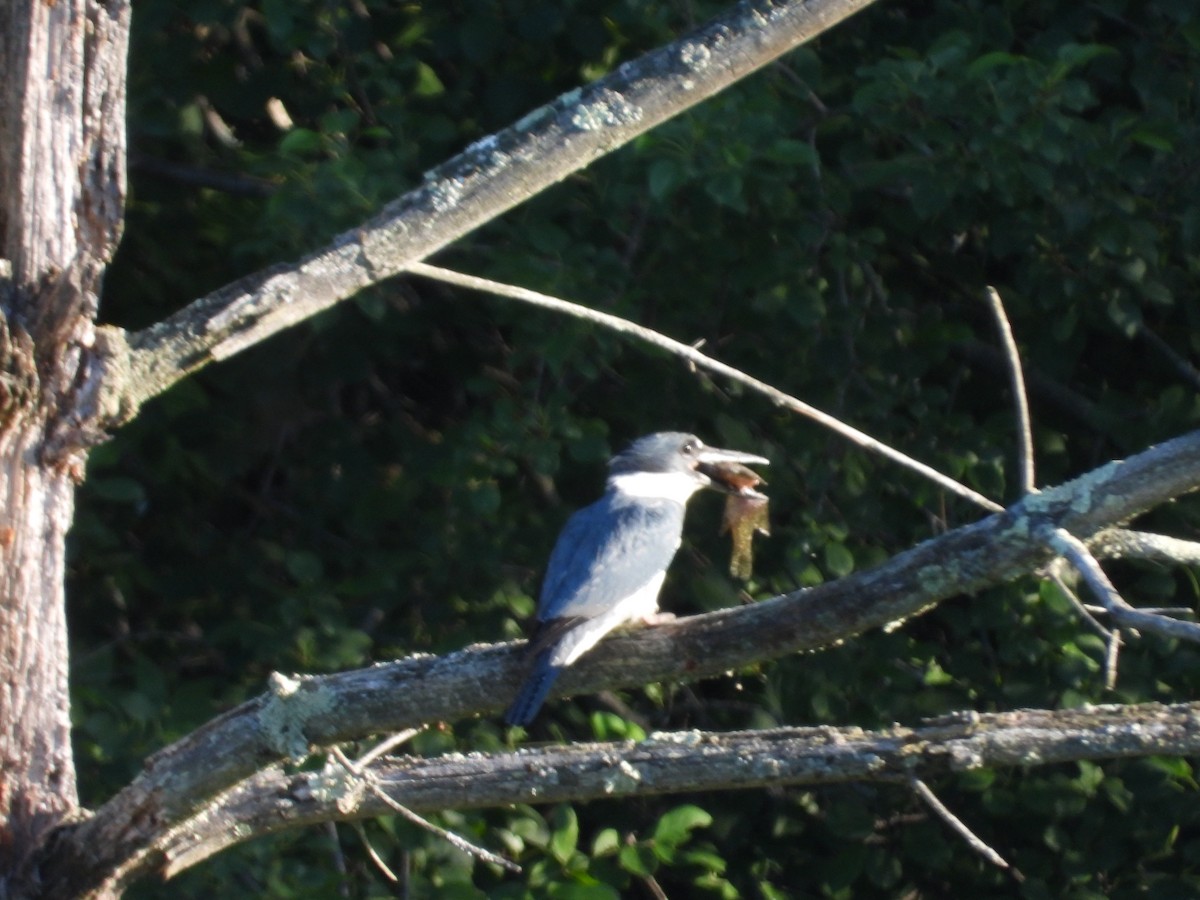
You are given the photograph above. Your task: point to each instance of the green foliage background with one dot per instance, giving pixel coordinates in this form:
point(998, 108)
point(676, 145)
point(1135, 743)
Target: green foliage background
point(389, 478)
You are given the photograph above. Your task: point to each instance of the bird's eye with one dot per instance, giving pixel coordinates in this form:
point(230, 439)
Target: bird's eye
point(691, 446)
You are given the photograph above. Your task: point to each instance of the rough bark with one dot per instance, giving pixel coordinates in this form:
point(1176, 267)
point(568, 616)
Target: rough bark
point(62, 151)
point(125, 837)
point(37, 774)
point(61, 192)
point(485, 180)
point(63, 380)
point(690, 761)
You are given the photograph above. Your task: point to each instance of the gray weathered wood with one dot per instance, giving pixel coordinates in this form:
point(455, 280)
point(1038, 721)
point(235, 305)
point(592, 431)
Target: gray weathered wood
point(273, 799)
point(62, 156)
point(488, 178)
point(300, 713)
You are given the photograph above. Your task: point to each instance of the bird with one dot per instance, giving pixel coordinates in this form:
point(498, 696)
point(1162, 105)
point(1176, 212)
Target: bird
point(611, 558)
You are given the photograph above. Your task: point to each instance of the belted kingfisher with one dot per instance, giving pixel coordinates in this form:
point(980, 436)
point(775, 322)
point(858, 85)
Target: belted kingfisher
point(610, 560)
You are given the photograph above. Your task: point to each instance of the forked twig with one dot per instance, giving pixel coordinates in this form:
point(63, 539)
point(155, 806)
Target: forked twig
point(400, 737)
point(358, 768)
point(1081, 608)
point(1123, 615)
point(624, 326)
point(1112, 637)
point(368, 779)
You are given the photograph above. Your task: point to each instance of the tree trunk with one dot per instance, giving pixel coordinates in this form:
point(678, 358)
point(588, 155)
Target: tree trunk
point(62, 186)
point(37, 773)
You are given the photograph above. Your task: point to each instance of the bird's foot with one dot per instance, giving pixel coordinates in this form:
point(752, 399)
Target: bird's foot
point(658, 618)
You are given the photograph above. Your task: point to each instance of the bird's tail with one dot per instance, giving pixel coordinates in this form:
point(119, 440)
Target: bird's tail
point(533, 693)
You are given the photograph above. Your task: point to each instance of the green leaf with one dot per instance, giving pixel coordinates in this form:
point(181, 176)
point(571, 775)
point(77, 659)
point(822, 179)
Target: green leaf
point(1133, 270)
point(564, 833)
point(675, 828)
point(637, 859)
point(706, 859)
point(1156, 140)
point(531, 829)
point(936, 676)
point(994, 60)
point(304, 567)
point(977, 780)
point(727, 189)
point(850, 819)
point(301, 142)
point(844, 868)
point(663, 177)
point(1075, 55)
point(607, 842)
point(793, 152)
point(340, 121)
point(1172, 766)
point(839, 561)
point(427, 83)
point(1126, 315)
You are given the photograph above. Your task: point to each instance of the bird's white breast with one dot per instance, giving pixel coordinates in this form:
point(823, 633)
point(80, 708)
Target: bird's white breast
point(676, 486)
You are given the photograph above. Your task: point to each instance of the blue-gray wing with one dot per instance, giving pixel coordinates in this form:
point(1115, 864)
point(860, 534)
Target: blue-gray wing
point(605, 553)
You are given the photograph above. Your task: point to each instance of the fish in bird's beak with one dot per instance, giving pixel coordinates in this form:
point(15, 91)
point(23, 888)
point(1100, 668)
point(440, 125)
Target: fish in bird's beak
point(745, 507)
point(725, 470)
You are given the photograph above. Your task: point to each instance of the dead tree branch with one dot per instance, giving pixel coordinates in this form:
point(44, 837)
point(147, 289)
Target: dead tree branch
point(1122, 613)
point(1126, 544)
point(300, 713)
point(489, 177)
point(362, 778)
point(673, 762)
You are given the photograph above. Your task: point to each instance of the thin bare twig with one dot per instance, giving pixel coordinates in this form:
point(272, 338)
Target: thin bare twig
point(1123, 615)
point(339, 859)
point(383, 867)
point(1173, 611)
point(973, 841)
point(1112, 638)
point(400, 737)
point(654, 887)
point(361, 765)
point(1020, 398)
point(1181, 365)
point(1110, 660)
point(457, 841)
point(624, 326)
point(358, 768)
point(1084, 611)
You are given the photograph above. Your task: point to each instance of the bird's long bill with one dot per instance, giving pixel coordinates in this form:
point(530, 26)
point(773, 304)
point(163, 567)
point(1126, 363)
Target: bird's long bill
point(714, 455)
point(726, 469)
